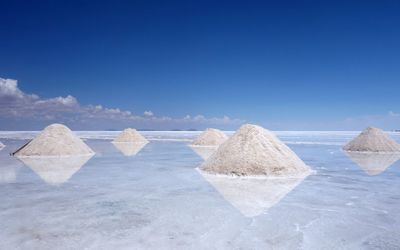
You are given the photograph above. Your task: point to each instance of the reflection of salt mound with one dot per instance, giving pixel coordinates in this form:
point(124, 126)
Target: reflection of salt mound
point(55, 140)
point(253, 150)
point(372, 140)
point(130, 135)
point(373, 163)
point(129, 148)
point(204, 152)
point(1, 145)
point(9, 167)
point(55, 170)
point(210, 137)
point(252, 196)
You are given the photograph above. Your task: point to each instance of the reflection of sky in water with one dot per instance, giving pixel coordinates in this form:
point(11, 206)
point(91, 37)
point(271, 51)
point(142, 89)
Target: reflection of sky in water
point(157, 199)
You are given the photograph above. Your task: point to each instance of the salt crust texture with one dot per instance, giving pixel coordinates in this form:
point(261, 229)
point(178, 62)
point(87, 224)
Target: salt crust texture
point(55, 140)
point(372, 140)
point(254, 151)
point(210, 137)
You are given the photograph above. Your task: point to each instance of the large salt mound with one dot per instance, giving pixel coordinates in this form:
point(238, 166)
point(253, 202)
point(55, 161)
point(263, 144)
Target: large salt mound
point(210, 137)
point(55, 140)
point(372, 140)
point(130, 135)
point(253, 151)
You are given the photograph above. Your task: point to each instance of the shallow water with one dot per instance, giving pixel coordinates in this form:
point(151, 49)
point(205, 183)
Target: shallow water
point(157, 199)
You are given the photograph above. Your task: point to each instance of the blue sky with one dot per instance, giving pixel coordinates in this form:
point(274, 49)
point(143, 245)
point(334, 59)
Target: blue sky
point(287, 65)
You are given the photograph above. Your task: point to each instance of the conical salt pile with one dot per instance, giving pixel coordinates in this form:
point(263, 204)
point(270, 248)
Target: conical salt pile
point(372, 140)
point(252, 196)
point(55, 140)
point(253, 151)
point(210, 137)
point(373, 163)
point(130, 135)
point(56, 170)
point(1, 145)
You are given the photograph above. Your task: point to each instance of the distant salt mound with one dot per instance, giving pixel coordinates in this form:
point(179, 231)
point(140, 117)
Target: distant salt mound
point(210, 137)
point(55, 170)
point(373, 163)
point(254, 151)
point(1, 145)
point(55, 140)
point(372, 140)
point(252, 196)
point(130, 135)
point(129, 148)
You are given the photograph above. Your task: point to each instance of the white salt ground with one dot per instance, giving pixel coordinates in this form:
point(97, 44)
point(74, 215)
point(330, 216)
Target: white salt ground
point(372, 140)
point(254, 151)
point(130, 135)
point(210, 137)
point(55, 140)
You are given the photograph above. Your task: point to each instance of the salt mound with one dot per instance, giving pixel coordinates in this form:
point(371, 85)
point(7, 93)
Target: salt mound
point(56, 170)
point(129, 148)
point(130, 135)
point(252, 196)
point(54, 140)
point(204, 152)
point(253, 150)
point(372, 140)
point(1, 145)
point(373, 163)
point(210, 137)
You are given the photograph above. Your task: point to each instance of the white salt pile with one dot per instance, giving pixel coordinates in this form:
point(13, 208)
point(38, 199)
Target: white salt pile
point(372, 140)
point(55, 140)
point(128, 148)
point(210, 137)
point(373, 163)
point(1, 145)
point(55, 170)
point(130, 135)
point(250, 196)
point(254, 151)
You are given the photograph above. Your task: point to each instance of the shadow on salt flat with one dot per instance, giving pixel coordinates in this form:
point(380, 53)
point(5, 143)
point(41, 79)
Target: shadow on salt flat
point(373, 163)
point(55, 170)
point(129, 148)
point(252, 196)
point(203, 151)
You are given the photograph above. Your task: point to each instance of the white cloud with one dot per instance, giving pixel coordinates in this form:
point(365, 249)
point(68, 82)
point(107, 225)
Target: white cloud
point(148, 113)
point(391, 113)
point(19, 110)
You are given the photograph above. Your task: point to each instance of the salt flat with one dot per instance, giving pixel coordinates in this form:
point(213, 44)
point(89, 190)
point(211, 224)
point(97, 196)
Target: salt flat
point(156, 199)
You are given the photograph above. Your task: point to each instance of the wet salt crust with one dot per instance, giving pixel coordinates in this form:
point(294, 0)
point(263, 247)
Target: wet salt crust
point(157, 200)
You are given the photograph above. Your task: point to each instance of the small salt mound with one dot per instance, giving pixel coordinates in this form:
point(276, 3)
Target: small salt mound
point(56, 170)
point(55, 140)
point(372, 140)
point(373, 163)
point(252, 196)
point(210, 137)
point(129, 148)
point(1, 145)
point(130, 135)
point(253, 151)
